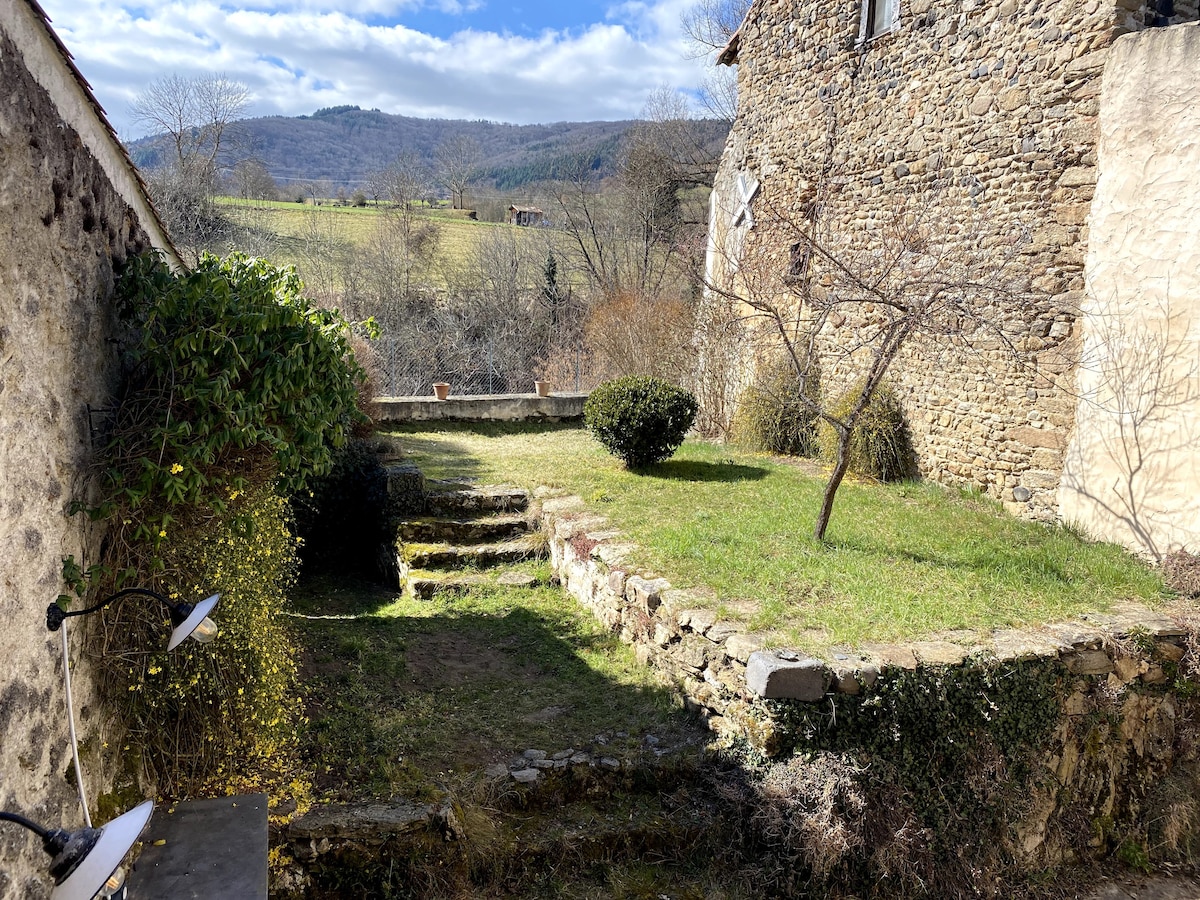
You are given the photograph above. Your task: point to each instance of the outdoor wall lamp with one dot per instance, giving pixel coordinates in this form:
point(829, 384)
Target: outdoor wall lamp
point(87, 863)
point(189, 621)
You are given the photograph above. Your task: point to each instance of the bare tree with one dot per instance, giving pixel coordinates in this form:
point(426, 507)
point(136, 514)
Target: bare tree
point(254, 182)
point(709, 26)
point(858, 299)
point(198, 115)
point(197, 118)
point(405, 180)
point(457, 164)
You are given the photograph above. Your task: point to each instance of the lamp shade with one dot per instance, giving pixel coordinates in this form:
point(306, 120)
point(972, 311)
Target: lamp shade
point(197, 624)
point(114, 843)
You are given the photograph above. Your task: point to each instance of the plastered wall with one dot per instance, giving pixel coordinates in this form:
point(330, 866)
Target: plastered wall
point(64, 228)
point(1132, 471)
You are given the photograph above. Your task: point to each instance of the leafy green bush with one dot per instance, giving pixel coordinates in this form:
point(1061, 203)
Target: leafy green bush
point(881, 445)
point(237, 390)
point(642, 420)
point(234, 375)
point(772, 414)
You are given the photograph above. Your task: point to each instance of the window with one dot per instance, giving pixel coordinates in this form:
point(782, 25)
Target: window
point(878, 17)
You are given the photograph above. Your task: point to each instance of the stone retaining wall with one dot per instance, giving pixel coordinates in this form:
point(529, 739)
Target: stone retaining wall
point(1120, 722)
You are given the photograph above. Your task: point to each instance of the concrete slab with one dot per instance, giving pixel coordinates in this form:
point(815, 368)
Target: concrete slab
point(203, 849)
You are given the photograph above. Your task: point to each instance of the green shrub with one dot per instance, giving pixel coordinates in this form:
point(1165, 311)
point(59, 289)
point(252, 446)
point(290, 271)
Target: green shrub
point(237, 391)
point(640, 419)
point(233, 374)
point(880, 446)
point(772, 414)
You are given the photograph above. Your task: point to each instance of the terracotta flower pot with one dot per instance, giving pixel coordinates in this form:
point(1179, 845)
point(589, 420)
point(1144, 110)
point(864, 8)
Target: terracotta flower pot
point(542, 388)
point(441, 390)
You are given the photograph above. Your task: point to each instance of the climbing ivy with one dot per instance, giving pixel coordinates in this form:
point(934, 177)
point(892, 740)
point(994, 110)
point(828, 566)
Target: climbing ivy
point(956, 740)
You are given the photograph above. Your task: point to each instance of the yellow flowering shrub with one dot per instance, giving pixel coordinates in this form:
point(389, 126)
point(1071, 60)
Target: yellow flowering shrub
point(218, 717)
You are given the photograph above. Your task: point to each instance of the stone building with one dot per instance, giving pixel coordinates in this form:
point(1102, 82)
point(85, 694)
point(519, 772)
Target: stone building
point(72, 209)
point(982, 115)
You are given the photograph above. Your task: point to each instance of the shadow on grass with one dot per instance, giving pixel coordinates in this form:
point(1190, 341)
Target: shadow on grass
point(396, 703)
point(697, 470)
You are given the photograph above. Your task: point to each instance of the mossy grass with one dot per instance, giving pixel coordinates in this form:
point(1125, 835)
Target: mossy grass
point(410, 696)
point(900, 561)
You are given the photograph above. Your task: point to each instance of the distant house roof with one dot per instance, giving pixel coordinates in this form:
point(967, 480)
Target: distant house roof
point(51, 65)
point(526, 209)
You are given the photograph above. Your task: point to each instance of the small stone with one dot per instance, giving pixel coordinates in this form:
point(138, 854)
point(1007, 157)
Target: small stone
point(579, 759)
point(535, 754)
point(1021, 494)
point(526, 776)
point(609, 763)
point(499, 770)
point(564, 754)
point(602, 739)
point(1088, 662)
point(543, 763)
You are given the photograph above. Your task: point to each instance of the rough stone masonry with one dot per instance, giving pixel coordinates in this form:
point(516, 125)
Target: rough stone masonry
point(988, 110)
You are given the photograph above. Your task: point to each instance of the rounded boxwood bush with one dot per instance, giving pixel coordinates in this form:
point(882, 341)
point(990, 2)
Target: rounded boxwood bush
point(642, 420)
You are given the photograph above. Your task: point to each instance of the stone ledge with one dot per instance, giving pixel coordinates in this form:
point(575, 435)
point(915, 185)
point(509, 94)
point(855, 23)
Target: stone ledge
point(482, 408)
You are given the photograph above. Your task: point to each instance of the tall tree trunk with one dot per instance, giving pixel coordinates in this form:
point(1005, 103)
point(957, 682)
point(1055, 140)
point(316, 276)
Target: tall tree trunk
point(841, 464)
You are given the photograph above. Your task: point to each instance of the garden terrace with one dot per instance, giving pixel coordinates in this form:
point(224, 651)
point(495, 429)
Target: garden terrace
point(966, 666)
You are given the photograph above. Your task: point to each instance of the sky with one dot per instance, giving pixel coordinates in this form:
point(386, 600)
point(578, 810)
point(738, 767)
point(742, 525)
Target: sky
point(534, 61)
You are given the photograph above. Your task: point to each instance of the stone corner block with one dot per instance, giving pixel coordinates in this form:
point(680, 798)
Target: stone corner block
point(773, 677)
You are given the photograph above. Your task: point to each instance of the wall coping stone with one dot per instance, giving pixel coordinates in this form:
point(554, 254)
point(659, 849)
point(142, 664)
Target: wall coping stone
point(559, 407)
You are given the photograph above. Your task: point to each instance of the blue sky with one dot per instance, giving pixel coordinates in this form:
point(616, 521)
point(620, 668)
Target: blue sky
point(535, 61)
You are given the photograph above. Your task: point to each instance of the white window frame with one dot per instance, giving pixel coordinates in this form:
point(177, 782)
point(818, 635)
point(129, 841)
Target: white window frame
point(879, 17)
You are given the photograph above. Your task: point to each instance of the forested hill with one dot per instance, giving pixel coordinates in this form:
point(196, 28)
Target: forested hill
point(343, 144)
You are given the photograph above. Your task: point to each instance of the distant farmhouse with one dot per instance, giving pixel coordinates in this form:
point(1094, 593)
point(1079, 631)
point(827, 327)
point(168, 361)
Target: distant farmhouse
point(525, 216)
point(1051, 120)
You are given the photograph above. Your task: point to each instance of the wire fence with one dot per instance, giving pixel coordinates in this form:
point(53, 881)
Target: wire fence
point(401, 369)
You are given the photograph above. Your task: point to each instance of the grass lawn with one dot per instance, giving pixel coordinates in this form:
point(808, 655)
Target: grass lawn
point(405, 694)
point(900, 561)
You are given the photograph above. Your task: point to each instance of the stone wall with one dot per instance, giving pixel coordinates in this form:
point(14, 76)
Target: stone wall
point(979, 116)
point(1114, 758)
point(67, 225)
point(1133, 465)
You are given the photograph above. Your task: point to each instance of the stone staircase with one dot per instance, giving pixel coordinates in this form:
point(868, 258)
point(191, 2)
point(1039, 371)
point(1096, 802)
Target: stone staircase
point(467, 536)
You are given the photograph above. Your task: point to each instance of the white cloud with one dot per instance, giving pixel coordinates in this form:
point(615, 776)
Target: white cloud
point(299, 56)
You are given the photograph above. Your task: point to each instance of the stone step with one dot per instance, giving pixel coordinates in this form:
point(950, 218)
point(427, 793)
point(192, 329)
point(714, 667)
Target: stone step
point(488, 529)
point(454, 499)
point(454, 556)
point(422, 584)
